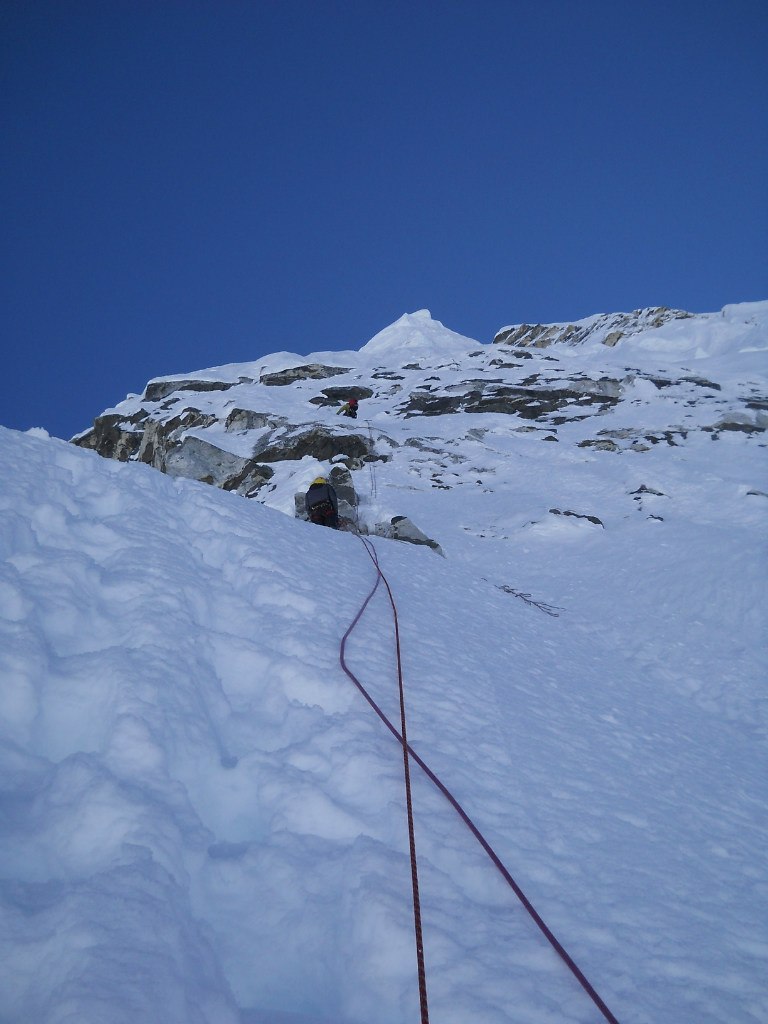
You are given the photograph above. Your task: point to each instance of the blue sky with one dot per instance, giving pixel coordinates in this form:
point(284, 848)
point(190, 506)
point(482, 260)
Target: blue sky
point(191, 183)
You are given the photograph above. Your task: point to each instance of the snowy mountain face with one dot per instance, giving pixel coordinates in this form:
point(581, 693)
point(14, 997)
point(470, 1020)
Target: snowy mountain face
point(202, 820)
point(438, 409)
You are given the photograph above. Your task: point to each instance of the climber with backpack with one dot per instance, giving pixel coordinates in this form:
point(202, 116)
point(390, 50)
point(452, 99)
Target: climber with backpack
point(322, 504)
point(349, 409)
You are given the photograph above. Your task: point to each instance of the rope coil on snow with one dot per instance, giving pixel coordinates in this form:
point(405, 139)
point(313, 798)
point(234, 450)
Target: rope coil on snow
point(408, 750)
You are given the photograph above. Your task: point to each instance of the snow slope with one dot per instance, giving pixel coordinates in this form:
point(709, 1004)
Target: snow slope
point(202, 820)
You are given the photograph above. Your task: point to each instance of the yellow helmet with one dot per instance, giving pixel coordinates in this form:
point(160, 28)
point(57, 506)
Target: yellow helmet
point(320, 480)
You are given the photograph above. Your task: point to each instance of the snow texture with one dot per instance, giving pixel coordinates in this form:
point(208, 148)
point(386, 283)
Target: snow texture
point(202, 822)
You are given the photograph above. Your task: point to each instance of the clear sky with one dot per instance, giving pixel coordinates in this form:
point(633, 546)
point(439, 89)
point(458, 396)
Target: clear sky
point(186, 184)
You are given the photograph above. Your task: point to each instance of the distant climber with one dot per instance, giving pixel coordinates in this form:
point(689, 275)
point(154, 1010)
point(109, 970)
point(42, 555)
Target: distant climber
point(322, 504)
point(349, 409)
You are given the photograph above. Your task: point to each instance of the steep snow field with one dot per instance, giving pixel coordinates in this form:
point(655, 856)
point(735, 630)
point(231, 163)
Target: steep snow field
point(203, 822)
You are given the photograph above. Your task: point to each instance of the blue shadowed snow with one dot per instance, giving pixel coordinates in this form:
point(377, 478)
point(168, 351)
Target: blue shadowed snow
point(203, 822)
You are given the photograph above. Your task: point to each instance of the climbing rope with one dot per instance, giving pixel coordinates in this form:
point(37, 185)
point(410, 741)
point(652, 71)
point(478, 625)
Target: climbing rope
point(402, 736)
point(371, 469)
point(408, 750)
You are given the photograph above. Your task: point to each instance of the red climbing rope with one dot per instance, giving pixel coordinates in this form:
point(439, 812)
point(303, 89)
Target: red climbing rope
point(408, 749)
point(402, 736)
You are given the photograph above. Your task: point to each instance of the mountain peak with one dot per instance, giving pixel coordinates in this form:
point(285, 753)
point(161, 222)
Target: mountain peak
point(418, 335)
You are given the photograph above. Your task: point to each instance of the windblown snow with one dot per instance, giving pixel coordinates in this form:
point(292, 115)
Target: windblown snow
point(202, 821)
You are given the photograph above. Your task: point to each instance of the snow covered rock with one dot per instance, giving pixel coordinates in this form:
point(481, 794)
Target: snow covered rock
point(311, 371)
point(401, 528)
point(608, 328)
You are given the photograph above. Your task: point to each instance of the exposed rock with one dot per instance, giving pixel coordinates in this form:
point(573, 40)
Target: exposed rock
point(432, 405)
point(604, 387)
point(317, 442)
point(401, 528)
point(576, 515)
point(702, 382)
point(643, 489)
point(530, 403)
point(536, 335)
point(341, 481)
point(669, 382)
point(160, 436)
point(743, 423)
point(608, 326)
point(478, 384)
point(114, 436)
point(196, 459)
point(668, 436)
point(247, 419)
point(153, 445)
point(311, 371)
point(300, 505)
point(642, 494)
point(333, 396)
point(602, 445)
point(157, 390)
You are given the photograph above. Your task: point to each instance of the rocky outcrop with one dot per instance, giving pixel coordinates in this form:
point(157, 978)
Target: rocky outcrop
point(311, 371)
point(528, 402)
point(634, 440)
point(140, 436)
point(575, 515)
point(240, 420)
point(113, 436)
point(609, 328)
point(168, 445)
point(157, 390)
point(318, 442)
point(196, 459)
point(401, 528)
point(335, 396)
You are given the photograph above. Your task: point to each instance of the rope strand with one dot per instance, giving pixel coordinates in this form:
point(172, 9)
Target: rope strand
point(408, 750)
point(402, 736)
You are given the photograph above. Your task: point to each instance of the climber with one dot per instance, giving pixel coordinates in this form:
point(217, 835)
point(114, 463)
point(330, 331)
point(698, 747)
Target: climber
point(322, 504)
point(349, 408)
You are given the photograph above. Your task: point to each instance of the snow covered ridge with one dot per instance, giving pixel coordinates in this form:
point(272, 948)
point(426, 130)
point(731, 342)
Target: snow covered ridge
point(610, 328)
point(433, 401)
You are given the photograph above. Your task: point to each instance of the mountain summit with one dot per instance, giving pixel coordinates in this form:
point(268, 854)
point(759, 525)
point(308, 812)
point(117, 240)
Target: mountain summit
point(417, 334)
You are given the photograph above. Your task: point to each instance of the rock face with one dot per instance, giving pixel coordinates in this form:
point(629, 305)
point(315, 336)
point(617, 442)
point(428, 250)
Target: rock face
point(401, 528)
point(156, 391)
point(336, 396)
point(312, 371)
point(317, 442)
point(195, 459)
point(609, 328)
point(177, 440)
point(532, 402)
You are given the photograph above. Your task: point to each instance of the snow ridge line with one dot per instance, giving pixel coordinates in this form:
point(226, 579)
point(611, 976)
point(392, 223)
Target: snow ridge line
point(408, 749)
